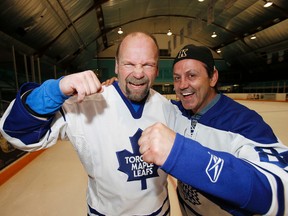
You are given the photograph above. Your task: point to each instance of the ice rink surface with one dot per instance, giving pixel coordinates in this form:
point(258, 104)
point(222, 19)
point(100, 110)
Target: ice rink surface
point(54, 184)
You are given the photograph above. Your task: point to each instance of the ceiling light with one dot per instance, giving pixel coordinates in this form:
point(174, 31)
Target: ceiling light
point(169, 33)
point(268, 3)
point(218, 51)
point(214, 35)
point(200, 0)
point(253, 37)
point(120, 31)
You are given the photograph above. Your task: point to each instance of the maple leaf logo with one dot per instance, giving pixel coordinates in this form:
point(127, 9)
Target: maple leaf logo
point(133, 165)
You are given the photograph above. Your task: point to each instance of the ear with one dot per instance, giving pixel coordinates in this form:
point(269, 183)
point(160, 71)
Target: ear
point(116, 66)
point(214, 78)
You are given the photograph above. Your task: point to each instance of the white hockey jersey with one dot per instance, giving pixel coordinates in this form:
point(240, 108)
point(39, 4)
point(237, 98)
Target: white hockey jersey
point(104, 130)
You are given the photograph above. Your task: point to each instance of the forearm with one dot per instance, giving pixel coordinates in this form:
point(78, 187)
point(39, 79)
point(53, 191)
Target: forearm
point(219, 174)
point(46, 99)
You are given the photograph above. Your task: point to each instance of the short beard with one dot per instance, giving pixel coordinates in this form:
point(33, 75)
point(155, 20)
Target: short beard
point(137, 96)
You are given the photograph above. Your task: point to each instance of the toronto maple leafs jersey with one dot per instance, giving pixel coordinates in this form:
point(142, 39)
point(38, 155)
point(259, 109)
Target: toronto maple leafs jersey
point(231, 163)
point(104, 130)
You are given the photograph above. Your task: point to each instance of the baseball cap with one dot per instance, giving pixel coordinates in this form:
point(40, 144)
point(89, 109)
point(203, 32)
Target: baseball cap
point(199, 53)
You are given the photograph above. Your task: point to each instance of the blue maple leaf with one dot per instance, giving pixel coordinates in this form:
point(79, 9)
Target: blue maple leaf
point(133, 165)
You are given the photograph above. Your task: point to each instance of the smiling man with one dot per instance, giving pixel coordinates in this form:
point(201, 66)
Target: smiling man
point(227, 159)
point(196, 66)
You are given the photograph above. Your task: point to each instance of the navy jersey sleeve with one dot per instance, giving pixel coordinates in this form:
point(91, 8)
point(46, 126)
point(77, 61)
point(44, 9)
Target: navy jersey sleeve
point(30, 118)
point(20, 124)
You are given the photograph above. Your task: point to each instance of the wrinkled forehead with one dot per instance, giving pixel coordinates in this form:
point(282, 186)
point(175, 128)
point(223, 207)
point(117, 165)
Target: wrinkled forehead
point(140, 42)
point(139, 49)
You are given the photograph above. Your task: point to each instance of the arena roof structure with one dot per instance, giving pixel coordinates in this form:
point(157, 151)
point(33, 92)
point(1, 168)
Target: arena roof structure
point(70, 33)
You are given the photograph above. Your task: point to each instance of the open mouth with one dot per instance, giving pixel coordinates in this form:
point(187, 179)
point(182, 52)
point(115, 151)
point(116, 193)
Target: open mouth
point(187, 94)
point(136, 84)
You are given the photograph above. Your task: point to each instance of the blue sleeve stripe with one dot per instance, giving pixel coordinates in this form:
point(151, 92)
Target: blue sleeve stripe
point(280, 193)
point(281, 198)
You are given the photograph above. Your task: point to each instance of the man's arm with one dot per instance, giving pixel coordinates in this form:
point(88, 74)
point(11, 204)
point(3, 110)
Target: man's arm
point(49, 97)
point(29, 120)
point(239, 182)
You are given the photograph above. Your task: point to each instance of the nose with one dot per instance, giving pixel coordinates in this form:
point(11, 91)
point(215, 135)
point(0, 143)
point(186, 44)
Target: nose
point(183, 84)
point(138, 71)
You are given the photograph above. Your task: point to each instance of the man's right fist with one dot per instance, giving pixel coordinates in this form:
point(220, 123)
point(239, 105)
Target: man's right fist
point(83, 84)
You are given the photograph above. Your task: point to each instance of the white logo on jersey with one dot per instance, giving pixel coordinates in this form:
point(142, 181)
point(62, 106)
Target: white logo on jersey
point(182, 53)
point(214, 168)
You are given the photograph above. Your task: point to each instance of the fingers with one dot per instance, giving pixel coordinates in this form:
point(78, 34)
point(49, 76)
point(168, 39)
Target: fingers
point(149, 144)
point(83, 84)
point(156, 143)
point(148, 157)
point(144, 148)
point(144, 141)
point(109, 81)
point(87, 84)
point(143, 144)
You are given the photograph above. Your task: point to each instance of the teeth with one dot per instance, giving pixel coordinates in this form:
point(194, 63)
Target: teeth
point(137, 84)
point(185, 94)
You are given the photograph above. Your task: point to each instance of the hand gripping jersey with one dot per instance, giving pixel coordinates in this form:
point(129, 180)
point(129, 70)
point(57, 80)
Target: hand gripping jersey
point(231, 164)
point(104, 130)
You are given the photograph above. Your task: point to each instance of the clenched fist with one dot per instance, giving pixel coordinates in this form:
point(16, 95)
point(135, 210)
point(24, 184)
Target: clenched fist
point(83, 84)
point(156, 143)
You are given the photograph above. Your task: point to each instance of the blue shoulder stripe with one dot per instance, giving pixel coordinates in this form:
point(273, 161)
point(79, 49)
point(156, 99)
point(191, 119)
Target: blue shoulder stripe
point(229, 115)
